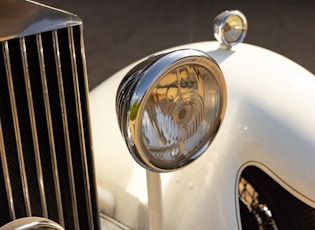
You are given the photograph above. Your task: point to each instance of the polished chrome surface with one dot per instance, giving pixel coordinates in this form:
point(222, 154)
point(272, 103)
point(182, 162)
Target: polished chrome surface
point(65, 129)
point(33, 127)
point(30, 223)
point(80, 125)
point(5, 169)
point(230, 28)
point(23, 18)
point(6, 55)
point(144, 96)
point(45, 92)
point(49, 127)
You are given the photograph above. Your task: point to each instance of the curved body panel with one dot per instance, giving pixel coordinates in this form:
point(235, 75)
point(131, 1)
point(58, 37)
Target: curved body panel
point(269, 122)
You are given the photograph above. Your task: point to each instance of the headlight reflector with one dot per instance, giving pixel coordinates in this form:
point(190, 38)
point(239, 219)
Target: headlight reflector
point(169, 108)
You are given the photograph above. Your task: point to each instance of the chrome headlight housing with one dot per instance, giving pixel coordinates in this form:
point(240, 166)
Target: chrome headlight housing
point(230, 27)
point(169, 108)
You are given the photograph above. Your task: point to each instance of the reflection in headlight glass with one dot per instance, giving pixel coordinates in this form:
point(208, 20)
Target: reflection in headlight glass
point(179, 113)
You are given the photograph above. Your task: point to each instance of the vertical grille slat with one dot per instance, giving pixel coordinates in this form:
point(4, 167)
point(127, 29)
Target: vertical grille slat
point(52, 148)
point(83, 84)
point(46, 158)
point(16, 128)
point(5, 170)
point(80, 125)
point(57, 119)
point(65, 129)
point(6, 196)
point(33, 128)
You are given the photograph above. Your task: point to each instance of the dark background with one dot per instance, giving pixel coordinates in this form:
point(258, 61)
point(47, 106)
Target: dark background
point(119, 32)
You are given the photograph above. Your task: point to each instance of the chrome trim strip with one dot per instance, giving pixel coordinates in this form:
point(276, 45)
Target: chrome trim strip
point(50, 128)
point(6, 57)
point(80, 126)
point(65, 128)
point(40, 176)
point(6, 174)
point(86, 84)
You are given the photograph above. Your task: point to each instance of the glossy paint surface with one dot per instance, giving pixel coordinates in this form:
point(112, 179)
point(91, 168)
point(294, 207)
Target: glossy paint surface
point(269, 122)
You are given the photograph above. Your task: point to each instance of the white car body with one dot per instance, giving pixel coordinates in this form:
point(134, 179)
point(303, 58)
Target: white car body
point(47, 173)
point(269, 123)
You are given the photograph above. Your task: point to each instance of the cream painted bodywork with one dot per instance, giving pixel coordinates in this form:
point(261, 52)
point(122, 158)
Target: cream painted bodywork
point(269, 122)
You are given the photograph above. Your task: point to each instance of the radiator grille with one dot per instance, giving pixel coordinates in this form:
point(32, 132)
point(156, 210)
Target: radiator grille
point(45, 147)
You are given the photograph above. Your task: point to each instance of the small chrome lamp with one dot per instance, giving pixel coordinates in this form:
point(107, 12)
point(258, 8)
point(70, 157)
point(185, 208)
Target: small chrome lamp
point(230, 28)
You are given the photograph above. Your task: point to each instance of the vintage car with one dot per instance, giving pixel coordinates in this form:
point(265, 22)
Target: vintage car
point(209, 135)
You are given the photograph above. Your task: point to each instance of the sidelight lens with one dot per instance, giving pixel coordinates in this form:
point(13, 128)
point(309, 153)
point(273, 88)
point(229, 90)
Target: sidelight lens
point(230, 28)
point(176, 103)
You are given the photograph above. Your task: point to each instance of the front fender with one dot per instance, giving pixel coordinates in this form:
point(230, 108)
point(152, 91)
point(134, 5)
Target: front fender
point(268, 123)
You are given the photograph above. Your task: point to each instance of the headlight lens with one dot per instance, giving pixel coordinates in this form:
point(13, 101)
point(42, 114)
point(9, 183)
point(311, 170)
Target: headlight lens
point(170, 107)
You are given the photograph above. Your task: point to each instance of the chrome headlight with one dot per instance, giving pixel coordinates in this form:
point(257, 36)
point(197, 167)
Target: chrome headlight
point(170, 107)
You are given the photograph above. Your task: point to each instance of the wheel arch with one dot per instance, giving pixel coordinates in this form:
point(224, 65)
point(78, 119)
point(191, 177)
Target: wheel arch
point(288, 195)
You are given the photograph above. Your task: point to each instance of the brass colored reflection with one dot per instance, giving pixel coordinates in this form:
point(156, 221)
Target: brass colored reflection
point(233, 28)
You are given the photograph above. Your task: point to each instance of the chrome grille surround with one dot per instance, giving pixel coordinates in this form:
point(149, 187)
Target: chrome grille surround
point(45, 143)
